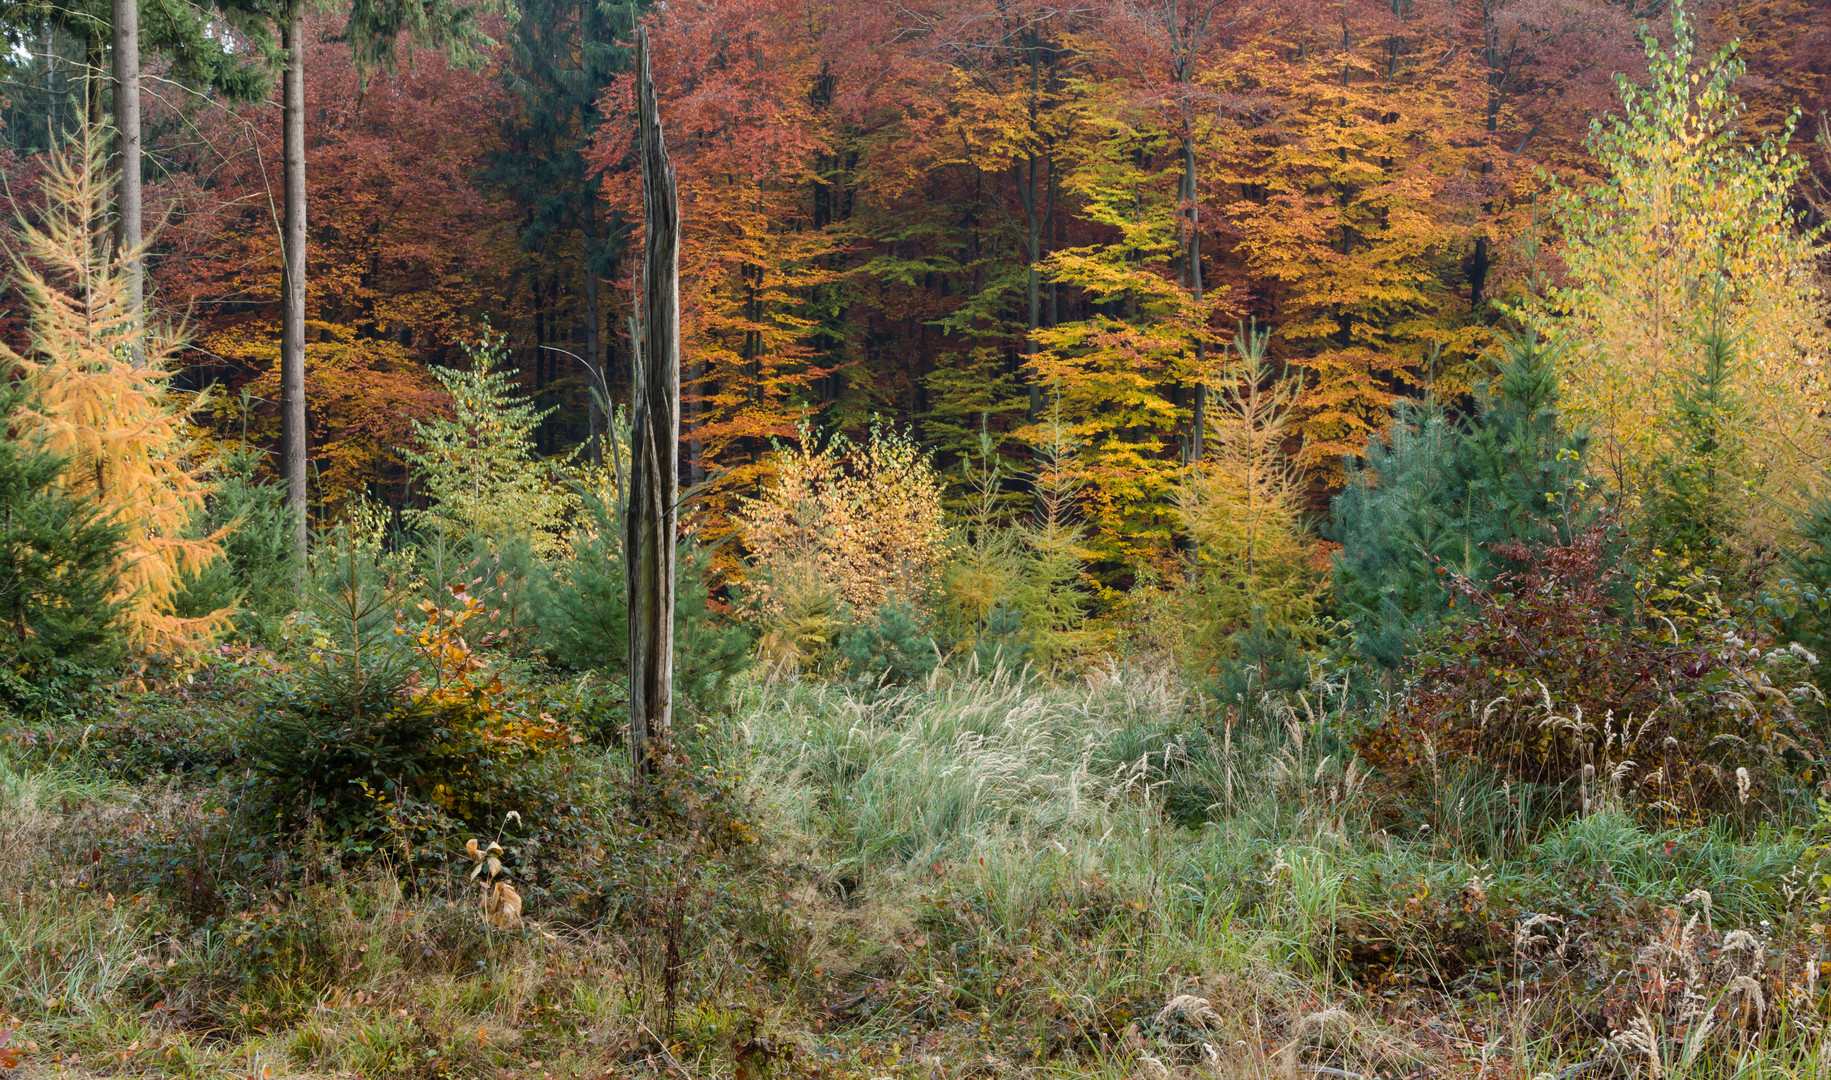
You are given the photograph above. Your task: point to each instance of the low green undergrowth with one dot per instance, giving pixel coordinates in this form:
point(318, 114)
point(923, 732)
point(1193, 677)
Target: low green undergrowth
point(976, 876)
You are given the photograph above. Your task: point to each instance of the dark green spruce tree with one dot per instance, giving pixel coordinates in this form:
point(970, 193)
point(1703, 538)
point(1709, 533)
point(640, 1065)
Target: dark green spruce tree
point(257, 574)
point(582, 610)
point(1695, 501)
point(562, 56)
point(57, 578)
point(1437, 492)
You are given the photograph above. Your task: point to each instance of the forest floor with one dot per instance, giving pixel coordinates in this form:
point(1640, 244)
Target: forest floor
point(980, 879)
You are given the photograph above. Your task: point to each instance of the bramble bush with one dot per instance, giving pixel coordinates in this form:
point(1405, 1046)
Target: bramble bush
point(1557, 672)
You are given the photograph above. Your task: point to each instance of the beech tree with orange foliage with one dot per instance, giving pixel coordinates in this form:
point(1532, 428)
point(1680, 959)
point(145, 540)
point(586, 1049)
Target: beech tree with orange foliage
point(1341, 222)
point(408, 256)
point(734, 82)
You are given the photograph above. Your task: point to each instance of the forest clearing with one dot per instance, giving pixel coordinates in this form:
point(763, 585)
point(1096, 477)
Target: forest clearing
point(791, 539)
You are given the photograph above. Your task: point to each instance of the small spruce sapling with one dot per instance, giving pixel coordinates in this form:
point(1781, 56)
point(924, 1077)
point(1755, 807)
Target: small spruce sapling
point(892, 646)
point(257, 575)
point(581, 608)
point(61, 615)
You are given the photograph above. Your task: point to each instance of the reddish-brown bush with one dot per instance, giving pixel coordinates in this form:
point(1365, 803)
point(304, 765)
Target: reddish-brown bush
point(1559, 673)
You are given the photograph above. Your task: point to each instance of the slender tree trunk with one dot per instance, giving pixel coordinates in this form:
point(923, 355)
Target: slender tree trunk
point(693, 415)
point(594, 334)
point(1034, 224)
point(654, 441)
point(292, 279)
point(50, 73)
point(1053, 230)
point(1198, 418)
point(127, 128)
point(95, 56)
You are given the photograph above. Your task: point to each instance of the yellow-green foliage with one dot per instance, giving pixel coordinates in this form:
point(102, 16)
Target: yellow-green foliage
point(848, 522)
point(1030, 566)
point(99, 372)
point(1243, 507)
point(1691, 206)
point(480, 466)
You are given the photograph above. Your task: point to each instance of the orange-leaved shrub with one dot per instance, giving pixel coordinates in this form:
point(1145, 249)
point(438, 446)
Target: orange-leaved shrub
point(1558, 673)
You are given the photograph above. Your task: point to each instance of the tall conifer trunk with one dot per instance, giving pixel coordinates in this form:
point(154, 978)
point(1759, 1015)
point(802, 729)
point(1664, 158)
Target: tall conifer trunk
point(127, 128)
point(292, 278)
point(654, 440)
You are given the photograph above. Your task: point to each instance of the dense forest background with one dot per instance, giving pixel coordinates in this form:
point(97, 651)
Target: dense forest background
point(960, 218)
point(1217, 540)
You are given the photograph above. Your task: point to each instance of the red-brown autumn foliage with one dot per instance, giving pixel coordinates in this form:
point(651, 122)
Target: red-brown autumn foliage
point(1561, 673)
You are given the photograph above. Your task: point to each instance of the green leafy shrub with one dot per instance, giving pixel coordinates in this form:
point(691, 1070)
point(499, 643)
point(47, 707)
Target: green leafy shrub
point(1801, 602)
point(60, 617)
point(387, 718)
point(502, 573)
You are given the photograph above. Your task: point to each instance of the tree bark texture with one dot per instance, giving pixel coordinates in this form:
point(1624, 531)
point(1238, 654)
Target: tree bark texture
point(1198, 418)
point(292, 279)
point(654, 440)
point(128, 217)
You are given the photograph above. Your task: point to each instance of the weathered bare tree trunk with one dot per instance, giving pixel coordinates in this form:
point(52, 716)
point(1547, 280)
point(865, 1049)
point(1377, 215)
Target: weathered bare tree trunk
point(654, 440)
point(127, 127)
point(292, 278)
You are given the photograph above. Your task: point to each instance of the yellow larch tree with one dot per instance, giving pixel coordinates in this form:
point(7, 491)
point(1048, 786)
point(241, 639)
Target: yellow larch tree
point(100, 380)
point(1244, 505)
